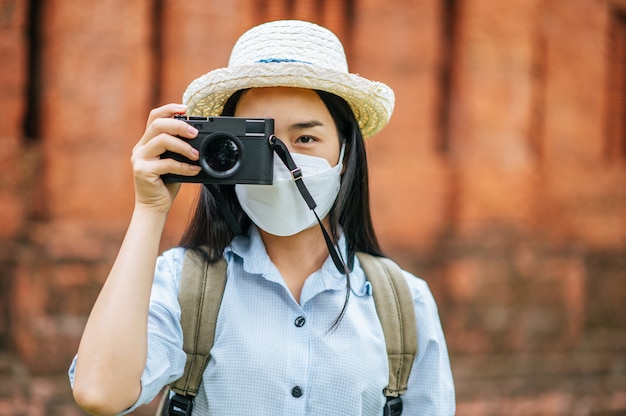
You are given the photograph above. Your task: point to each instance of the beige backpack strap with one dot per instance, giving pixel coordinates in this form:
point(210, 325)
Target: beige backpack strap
point(394, 305)
point(200, 296)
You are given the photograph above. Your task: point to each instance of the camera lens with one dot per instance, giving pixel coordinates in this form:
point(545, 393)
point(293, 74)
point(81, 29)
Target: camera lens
point(220, 154)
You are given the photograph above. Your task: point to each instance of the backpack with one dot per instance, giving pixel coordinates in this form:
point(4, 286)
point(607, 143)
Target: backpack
point(201, 290)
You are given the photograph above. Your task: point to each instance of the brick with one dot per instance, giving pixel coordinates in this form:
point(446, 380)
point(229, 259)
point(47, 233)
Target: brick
point(514, 298)
point(575, 89)
point(409, 204)
point(12, 214)
point(13, 71)
point(45, 340)
point(197, 37)
point(73, 290)
point(20, 193)
point(409, 186)
point(90, 96)
point(13, 77)
point(88, 181)
point(586, 203)
point(84, 240)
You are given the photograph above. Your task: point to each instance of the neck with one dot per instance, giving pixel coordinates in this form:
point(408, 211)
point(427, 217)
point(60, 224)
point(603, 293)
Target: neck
point(298, 256)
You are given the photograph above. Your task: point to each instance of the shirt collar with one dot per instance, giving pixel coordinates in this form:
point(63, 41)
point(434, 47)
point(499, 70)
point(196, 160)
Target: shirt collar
point(251, 250)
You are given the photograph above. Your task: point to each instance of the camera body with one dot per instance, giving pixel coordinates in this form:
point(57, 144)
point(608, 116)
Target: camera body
point(233, 150)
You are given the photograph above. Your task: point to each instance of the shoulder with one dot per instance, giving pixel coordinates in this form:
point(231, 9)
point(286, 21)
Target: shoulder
point(424, 305)
point(420, 291)
point(172, 256)
point(432, 392)
point(429, 329)
point(426, 310)
point(168, 268)
point(169, 265)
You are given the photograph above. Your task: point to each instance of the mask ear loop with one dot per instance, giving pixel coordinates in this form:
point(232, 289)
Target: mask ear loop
point(296, 173)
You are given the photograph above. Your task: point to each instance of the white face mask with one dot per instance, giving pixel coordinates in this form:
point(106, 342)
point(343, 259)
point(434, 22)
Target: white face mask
point(279, 209)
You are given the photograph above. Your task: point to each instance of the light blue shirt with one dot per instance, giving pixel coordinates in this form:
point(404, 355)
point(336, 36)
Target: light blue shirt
point(260, 355)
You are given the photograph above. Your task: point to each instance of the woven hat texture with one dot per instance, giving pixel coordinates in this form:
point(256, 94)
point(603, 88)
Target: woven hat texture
point(292, 53)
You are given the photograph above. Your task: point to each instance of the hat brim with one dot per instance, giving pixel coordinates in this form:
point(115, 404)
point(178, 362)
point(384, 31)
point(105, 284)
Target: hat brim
point(372, 102)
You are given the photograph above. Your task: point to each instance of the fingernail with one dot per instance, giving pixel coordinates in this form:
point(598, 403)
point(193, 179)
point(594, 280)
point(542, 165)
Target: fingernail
point(192, 130)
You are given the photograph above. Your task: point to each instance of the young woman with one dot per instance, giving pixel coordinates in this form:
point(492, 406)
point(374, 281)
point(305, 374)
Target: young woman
point(292, 337)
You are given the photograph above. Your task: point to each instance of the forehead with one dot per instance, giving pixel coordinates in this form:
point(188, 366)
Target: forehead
point(280, 102)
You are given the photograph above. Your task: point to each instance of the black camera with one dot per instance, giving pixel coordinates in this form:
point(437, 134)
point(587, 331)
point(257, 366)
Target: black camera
point(232, 150)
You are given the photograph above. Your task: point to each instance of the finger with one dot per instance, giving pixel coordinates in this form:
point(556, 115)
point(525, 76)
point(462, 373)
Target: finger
point(159, 167)
point(169, 126)
point(165, 111)
point(165, 142)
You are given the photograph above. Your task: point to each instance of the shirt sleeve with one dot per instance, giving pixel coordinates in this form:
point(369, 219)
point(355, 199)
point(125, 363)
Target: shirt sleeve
point(431, 387)
point(166, 359)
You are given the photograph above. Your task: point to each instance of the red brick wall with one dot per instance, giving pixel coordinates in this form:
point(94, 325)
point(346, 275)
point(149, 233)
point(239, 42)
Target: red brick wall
point(500, 178)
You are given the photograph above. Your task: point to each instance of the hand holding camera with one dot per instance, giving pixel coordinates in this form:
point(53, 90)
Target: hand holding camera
point(162, 134)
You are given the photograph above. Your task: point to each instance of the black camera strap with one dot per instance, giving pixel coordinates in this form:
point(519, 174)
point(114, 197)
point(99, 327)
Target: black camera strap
point(296, 173)
point(224, 209)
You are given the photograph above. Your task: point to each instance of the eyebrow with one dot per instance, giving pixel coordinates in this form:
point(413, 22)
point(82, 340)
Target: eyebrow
point(305, 125)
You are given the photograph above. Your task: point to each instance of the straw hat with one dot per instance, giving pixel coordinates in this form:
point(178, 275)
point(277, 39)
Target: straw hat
point(291, 53)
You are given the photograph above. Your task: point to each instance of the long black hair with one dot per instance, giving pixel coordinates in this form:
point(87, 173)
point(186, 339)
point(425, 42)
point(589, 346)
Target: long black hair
point(209, 231)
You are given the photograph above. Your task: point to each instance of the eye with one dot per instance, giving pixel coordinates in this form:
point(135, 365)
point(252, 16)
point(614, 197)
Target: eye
point(305, 139)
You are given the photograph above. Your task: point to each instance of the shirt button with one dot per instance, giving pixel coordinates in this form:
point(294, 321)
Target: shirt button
point(297, 391)
point(299, 322)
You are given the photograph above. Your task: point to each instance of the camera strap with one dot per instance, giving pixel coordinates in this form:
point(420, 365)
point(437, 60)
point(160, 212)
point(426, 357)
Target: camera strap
point(296, 173)
point(224, 209)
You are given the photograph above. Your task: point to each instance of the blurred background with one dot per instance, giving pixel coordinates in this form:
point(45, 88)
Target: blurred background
point(501, 179)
